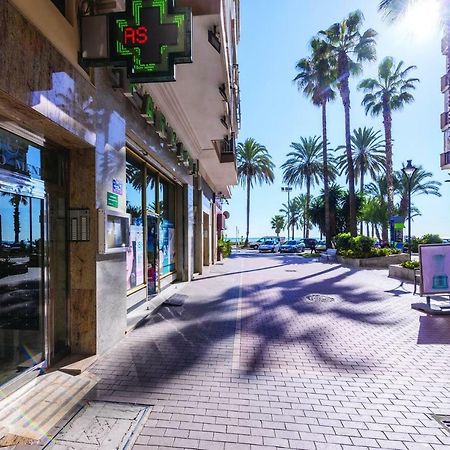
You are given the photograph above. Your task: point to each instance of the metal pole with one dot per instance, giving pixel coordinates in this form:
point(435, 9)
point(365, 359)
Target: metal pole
point(409, 217)
point(289, 208)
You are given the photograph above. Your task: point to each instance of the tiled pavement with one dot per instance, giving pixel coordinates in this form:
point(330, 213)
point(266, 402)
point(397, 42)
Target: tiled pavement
point(251, 362)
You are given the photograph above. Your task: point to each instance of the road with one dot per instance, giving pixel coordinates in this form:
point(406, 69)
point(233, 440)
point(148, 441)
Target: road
point(276, 351)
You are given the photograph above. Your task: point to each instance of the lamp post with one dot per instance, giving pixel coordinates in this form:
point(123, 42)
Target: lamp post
point(409, 171)
point(287, 189)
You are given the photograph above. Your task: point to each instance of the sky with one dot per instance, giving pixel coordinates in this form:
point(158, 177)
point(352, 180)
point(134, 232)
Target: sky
point(274, 36)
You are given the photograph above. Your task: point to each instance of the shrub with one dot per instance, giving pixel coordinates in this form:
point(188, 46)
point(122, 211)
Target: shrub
point(410, 264)
point(360, 247)
point(425, 239)
point(224, 247)
point(343, 241)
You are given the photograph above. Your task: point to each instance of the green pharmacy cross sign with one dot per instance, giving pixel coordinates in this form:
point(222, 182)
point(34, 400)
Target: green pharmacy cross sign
point(150, 37)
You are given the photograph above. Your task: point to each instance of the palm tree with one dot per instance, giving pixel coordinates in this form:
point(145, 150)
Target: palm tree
point(368, 155)
point(420, 185)
point(393, 9)
point(374, 212)
point(315, 78)
point(304, 166)
point(378, 189)
point(254, 164)
point(349, 47)
point(294, 213)
point(277, 223)
point(389, 92)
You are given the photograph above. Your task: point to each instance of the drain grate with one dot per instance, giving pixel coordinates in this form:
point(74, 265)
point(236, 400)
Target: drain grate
point(102, 425)
point(312, 298)
point(290, 270)
point(443, 420)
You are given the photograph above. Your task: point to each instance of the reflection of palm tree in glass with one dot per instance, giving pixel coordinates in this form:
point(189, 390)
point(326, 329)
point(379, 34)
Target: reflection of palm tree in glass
point(16, 200)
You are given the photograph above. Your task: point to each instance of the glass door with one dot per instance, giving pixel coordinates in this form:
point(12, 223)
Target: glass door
point(22, 300)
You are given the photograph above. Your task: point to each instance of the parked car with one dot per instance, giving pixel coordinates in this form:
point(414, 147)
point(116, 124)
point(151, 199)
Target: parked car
point(321, 246)
point(292, 247)
point(269, 246)
point(255, 245)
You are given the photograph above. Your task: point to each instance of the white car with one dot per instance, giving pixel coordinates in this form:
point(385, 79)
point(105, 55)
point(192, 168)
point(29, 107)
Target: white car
point(269, 247)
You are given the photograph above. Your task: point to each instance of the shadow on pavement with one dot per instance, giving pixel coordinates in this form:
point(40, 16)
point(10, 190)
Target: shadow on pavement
point(175, 340)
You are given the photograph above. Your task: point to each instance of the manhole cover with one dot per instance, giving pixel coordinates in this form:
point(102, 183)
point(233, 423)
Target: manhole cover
point(311, 298)
point(443, 420)
point(102, 425)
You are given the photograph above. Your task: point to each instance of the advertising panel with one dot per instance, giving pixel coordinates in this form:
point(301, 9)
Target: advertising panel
point(167, 247)
point(434, 268)
point(135, 257)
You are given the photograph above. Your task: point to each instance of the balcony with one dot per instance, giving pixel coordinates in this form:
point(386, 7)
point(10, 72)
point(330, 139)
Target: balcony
point(444, 120)
point(445, 161)
point(444, 83)
point(226, 150)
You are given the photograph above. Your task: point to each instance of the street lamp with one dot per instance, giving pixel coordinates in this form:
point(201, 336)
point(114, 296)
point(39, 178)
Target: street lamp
point(287, 189)
point(409, 171)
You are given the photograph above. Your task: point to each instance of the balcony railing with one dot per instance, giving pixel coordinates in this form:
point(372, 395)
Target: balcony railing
point(444, 120)
point(445, 160)
point(226, 150)
point(444, 44)
point(444, 83)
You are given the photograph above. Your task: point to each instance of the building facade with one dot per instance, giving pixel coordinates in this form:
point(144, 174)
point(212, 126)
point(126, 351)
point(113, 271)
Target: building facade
point(109, 190)
point(445, 85)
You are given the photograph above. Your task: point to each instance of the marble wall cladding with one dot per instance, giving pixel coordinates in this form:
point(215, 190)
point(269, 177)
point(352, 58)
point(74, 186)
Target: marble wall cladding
point(36, 75)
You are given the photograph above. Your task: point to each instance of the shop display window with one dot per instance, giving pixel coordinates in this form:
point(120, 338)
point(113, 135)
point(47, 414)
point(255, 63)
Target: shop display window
point(167, 240)
point(135, 253)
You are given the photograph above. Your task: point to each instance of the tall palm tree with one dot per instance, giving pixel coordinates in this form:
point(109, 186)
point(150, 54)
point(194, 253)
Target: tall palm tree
point(277, 223)
point(304, 166)
point(420, 185)
point(349, 47)
point(16, 201)
point(254, 164)
point(294, 213)
point(389, 92)
point(316, 76)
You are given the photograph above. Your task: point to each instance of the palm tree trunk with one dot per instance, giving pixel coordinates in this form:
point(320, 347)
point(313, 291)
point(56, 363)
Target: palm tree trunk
point(248, 211)
point(16, 216)
point(326, 180)
point(345, 95)
point(387, 122)
point(361, 191)
point(308, 197)
point(377, 232)
point(367, 229)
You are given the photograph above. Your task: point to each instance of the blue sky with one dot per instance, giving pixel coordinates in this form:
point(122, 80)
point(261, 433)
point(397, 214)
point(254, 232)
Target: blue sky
point(273, 39)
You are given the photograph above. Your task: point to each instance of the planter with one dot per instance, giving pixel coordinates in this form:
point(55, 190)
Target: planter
point(378, 262)
point(397, 271)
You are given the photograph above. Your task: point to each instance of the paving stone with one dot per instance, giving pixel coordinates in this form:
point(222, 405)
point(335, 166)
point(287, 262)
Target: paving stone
point(362, 371)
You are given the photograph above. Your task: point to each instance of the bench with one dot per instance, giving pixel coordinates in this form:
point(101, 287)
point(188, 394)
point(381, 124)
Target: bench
point(329, 255)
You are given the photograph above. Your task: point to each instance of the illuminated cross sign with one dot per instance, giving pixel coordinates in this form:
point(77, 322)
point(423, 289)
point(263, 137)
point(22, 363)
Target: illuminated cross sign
point(150, 38)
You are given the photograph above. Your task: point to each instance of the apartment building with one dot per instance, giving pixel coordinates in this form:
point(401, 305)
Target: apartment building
point(114, 166)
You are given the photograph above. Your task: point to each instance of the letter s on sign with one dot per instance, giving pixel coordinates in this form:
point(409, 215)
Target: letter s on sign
point(141, 35)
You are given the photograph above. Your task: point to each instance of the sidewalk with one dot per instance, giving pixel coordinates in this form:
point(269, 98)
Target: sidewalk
point(280, 352)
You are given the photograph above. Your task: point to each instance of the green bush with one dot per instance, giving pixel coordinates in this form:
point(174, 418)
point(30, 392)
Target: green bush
point(410, 264)
point(343, 241)
point(360, 247)
point(425, 239)
point(224, 247)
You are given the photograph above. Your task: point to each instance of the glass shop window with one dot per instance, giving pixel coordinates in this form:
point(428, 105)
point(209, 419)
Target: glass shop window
point(167, 241)
point(135, 254)
point(151, 191)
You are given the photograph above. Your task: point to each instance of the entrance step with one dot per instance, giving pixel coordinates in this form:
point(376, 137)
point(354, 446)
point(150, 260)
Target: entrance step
point(32, 411)
point(75, 364)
